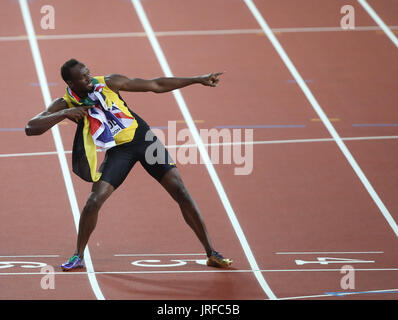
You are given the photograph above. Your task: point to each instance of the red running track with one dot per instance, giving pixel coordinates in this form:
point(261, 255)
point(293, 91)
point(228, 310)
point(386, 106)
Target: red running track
point(302, 201)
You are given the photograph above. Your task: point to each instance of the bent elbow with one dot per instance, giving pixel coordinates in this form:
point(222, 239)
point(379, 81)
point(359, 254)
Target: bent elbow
point(158, 88)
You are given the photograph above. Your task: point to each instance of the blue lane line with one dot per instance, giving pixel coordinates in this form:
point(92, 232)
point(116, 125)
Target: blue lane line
point(23, 129)
point(16, 1)
point(36, 84)
point(375, 125)
point(261, 126)
point(159, 127)
point(294, 81)
point(217, 127)
point(341, 294)
point(290, 81)
point(11, 129)
point(248, 126)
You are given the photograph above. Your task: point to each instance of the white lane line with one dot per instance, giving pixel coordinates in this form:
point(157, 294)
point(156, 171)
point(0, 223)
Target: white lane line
point(369, 138)
point(338, 270)
point(28, 154)
point(209, 166)
point(306, 297)
point(328, 29)
point(336, 252)
point(348, 293)
point(157, 254)
point(33, 256)
point(282, 141)
point(321, 114)
point(342, 294)
point(189, 33)
point(379, 21)
point(31, 154)
point(57, 139)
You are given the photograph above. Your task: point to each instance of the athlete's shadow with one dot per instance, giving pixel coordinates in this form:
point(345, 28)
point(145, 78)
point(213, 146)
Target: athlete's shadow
point(189, 286)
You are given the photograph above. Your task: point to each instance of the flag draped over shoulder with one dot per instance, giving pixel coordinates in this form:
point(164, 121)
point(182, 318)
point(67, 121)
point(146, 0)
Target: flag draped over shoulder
point(107, 124)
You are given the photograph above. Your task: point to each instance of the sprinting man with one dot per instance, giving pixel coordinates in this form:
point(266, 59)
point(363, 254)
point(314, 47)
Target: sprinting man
point(104, 120)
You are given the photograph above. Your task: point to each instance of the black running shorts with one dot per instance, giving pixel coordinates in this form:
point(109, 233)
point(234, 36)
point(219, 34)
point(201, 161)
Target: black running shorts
point(145, 148)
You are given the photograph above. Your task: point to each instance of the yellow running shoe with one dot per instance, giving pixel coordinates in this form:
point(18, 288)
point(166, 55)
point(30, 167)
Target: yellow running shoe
point(218, 261)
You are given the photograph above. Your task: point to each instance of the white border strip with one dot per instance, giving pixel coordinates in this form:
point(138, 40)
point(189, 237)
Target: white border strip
point(58, 141)
point(215, 270)
point(321, 114)
point(343, 294)
point(190, 33)
point(378, 20)
point(336, 252)
point(28, 154)
point(191, 125)
point(33, 256)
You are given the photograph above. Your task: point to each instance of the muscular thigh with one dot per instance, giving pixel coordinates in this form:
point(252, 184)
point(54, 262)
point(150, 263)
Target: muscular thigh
point(154, 157)
point(174, 185)
point(117, 165)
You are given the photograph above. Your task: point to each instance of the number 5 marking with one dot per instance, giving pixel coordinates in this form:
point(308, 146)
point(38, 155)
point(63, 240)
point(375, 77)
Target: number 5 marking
point(157, 264)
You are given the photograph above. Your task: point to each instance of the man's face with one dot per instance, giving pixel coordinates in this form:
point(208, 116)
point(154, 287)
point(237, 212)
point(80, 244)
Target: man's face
point(81, 79)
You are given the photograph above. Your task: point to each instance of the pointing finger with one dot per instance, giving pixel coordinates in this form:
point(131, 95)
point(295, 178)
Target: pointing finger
point(216, 74)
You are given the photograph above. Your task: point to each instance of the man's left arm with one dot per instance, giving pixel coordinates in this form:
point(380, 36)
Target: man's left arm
point(119, 82)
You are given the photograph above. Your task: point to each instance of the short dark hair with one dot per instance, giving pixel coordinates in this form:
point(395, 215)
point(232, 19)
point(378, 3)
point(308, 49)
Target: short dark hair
point(65, 69)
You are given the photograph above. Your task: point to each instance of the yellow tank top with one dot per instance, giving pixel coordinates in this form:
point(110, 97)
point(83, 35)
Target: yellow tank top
point(84, 156)
point(125, 135)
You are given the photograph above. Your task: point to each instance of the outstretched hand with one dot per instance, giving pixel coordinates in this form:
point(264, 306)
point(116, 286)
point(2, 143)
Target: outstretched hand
point(211, 79)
